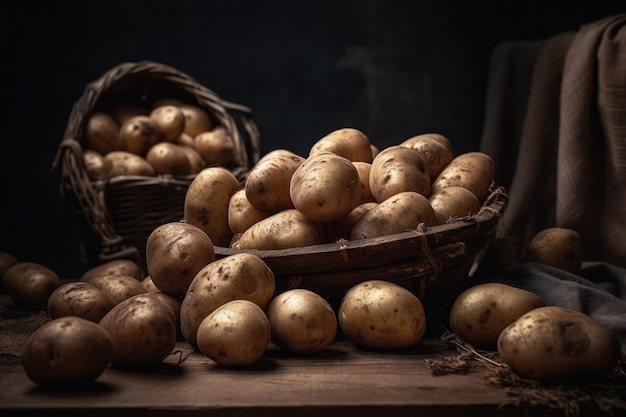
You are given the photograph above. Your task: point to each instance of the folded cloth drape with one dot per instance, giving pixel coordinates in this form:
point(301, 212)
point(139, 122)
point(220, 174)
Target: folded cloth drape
point(555, 125)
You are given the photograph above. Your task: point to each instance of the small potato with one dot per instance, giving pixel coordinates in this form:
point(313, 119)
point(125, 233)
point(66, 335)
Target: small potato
point(170, 120)
point(197, 120)
point(398, 169)
point(480, 313)
point(126, 163)
point(302, 322)
point(149, 284)
point(121, 112)
point(185, 139)
point(453, 202)
point(67, 350)
point(267, 184)
point(215, 146)
point(325, 187)
point(382, 315)
point(241, 276)
point(175, 253)
point(101, 133)
point(242, 214)
point(206, 203)
point(95, 165)
point(142, 328)
point(342, 228)
point(365, 194)
point(558, 247)
point(139, 134)
point(114, 267)
point(555, 343)
point(472, 170)
point(81, 299)
point(236, 334)
point(118, 287)
point(196, 162)
point(168, 158)
point(285, 229)
point(436, 150)
point(6, 260)
point(399, 213)
point(349, 143)
point(30, 283)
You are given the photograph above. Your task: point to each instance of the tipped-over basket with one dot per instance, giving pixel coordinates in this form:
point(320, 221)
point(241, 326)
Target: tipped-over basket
point(432, 262)
point(119, 213)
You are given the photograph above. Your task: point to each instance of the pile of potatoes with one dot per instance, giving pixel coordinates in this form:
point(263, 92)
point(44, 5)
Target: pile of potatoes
point(170, 137)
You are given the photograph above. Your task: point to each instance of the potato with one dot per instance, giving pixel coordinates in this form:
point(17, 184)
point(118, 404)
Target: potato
point(175, 253)
point(365, 194)
point(278, 152)
point(435, 149)
point(138, 135)
point(6, 260)
point(101, 133)
point(480, 313)
point(174, 303)
point(30, 284)
point(301, 321)
point(142, 328)
point(197, 120)
point(67, 350)
point(471, 170)
point(215, 146)
point(267, 183)
point(342, 228)
point(555, 343)
point(126, 163)
point(399, 213)
point(170, 121)
point(325, 187)
point(196, 162)
point(382, 315)
point(95, 165)
point(114, 267)
point(118, 287)
point(242, 213)
point(398, 169)
point(121, 112)
point(149, 285)
point(241, 276)
point(168, 158)
point(206, 203)
point(349, 143)
point(453, 202)
point(285, 229)
point(185, 139)
point(236, 334)
point(558, 247)
point(81, 299)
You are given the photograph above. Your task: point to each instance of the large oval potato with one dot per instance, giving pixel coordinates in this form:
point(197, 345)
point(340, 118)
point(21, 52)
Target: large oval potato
point(206, 203)
point(399, 213)
point(242, 213)
point(398, 169)
point(101, 133)
point(285, 229)
point(170, 121)
point(241, 276)
point(453, 202)
point(325, 187)
point(113, 267)
point(558, 247)
point(480, 313)
point(138, 135)
point(267, 184)
point(347, 142)
point(142, 328)
point(215, 146)
point(435, 149)
point(67, 350)
point(30, 283)
point(382, 315)
point(175, 252)
point(472, 170)
point(80, 299)
point(197, 120)
point(556, 343)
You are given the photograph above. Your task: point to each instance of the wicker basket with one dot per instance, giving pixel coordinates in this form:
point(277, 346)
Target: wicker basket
point(118, 214)
point(430, 261)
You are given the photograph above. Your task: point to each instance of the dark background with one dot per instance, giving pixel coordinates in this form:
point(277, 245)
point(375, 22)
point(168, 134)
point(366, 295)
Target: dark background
point(393, 69)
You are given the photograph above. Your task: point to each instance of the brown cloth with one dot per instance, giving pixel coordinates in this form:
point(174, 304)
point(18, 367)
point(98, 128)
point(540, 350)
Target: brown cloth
point(556, 127)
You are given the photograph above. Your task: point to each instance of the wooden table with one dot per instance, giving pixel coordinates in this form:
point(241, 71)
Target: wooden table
point(343, 380)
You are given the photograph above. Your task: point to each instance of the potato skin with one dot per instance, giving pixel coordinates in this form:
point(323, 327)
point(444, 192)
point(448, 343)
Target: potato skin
point(7, 260)
point(472, 170)
point(67, 350)
point(382, 315)
point(241, 276)
point(267, 184)
point(30, 283)
point(142, 328)
point(121, 163)
point(81, 299)
point(197, 120)
point(168, 158)
point(175, 252)
point(114, 267)
point(480, 313)
point(138, 134)
point(558, 247)
point(118, 287)
point(435, 149)
point(101, 133)
point(347, 142)
point(325, 187)
point(398, 169)
point(170, 121)
point(453, 202)
point(555, 343)
point(215, 146)
point(242, 213)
